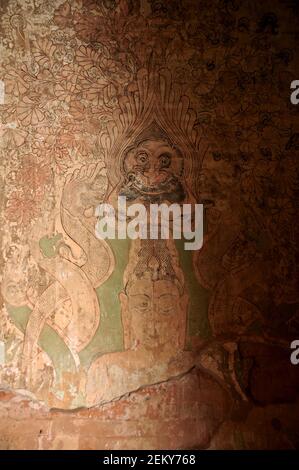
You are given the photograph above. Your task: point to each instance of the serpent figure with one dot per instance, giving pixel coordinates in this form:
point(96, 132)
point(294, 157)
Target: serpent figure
point(75, 278)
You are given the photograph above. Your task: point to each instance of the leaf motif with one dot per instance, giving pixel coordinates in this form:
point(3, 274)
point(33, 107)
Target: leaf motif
point(14, 137)
point(110, 95)
point(63, 15)
point(29, 113)
point(87, 57)
point(14, 84)
point(43, 53)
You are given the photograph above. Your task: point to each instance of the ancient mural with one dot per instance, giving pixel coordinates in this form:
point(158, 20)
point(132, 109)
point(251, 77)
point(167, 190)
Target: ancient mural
point(181, 101)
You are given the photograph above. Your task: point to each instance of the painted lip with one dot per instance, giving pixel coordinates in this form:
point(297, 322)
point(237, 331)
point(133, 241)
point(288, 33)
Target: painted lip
point(158, 188)
point(150, 192)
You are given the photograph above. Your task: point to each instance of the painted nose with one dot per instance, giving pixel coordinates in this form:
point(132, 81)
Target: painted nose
point(150, 171)
point(155, 176)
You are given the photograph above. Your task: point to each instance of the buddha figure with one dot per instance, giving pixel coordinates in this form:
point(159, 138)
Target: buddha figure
point(154, 316)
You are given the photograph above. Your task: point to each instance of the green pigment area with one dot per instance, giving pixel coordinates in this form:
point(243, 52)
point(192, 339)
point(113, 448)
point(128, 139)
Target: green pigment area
point(49, 341)
point(198, 323)
point(109, 336)
point(48, 245)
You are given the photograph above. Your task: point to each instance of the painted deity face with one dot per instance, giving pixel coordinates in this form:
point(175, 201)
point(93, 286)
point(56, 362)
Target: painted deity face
point(93, 192)
point(154, 315)
point(152, 170)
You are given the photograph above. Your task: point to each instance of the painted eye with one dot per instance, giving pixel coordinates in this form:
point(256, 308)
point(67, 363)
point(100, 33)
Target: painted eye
point(141, 304)
point(167, 304)
point(164, 160)
point(142, 158)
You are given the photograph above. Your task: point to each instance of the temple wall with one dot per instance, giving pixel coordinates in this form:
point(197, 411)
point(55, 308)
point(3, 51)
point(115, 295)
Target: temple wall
point(139, 343)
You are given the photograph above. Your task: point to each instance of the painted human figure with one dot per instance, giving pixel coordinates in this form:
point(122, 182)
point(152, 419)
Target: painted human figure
point(154, 318)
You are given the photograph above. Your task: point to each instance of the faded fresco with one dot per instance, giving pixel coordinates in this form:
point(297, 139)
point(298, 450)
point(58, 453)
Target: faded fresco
point(182, 101)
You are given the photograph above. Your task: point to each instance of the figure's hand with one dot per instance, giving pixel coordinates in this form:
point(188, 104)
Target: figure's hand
point(85, 187)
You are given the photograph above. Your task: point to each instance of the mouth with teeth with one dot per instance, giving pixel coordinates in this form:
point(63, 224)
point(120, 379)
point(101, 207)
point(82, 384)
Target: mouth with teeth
point(169, 189)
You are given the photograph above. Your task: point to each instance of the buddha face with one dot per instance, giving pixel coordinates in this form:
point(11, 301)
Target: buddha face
point(154, 315)
point(152, 169)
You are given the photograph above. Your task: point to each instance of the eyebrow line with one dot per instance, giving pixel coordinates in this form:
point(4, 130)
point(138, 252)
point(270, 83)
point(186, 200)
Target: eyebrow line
point(140, 295)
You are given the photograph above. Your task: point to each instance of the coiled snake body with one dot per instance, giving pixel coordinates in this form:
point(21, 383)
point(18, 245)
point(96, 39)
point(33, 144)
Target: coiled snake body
point(75, 278)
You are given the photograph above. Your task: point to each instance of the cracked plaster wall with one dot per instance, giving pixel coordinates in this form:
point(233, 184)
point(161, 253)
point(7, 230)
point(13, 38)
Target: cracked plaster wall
point(125, 344)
